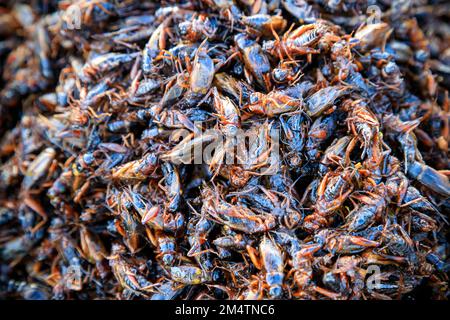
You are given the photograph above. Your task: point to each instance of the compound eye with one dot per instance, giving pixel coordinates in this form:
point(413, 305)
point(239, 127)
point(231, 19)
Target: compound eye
point(168, 259)
point(421, 56)
point(275, 292)
point(279, 75)
point(184, 27)
point(254, 98)
point(88, 158)
point(391, 68)
point(217, 275)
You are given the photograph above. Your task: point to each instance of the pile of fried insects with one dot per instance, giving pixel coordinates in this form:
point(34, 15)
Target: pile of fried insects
point(322, 129)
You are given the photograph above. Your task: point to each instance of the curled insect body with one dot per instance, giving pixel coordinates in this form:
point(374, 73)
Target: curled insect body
point(154, 46)
point(429, 177)
point(331, 194)
point(362, 122)
point(105, 63)
point(128, 275)
point(273, 103)
point(340, 243)
point(39, 167)
point(372, 206)
point(166, 247)
point(301, 41)
point(255, 60)
point(199, 27)
point(265, 24)
point(188, 275)
point(323, 99)
point(372, 35)
point(137, 169)
point(337, 153)
point(236, 217)
point(228, 113)
point(202, 74)
point(173, 187)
